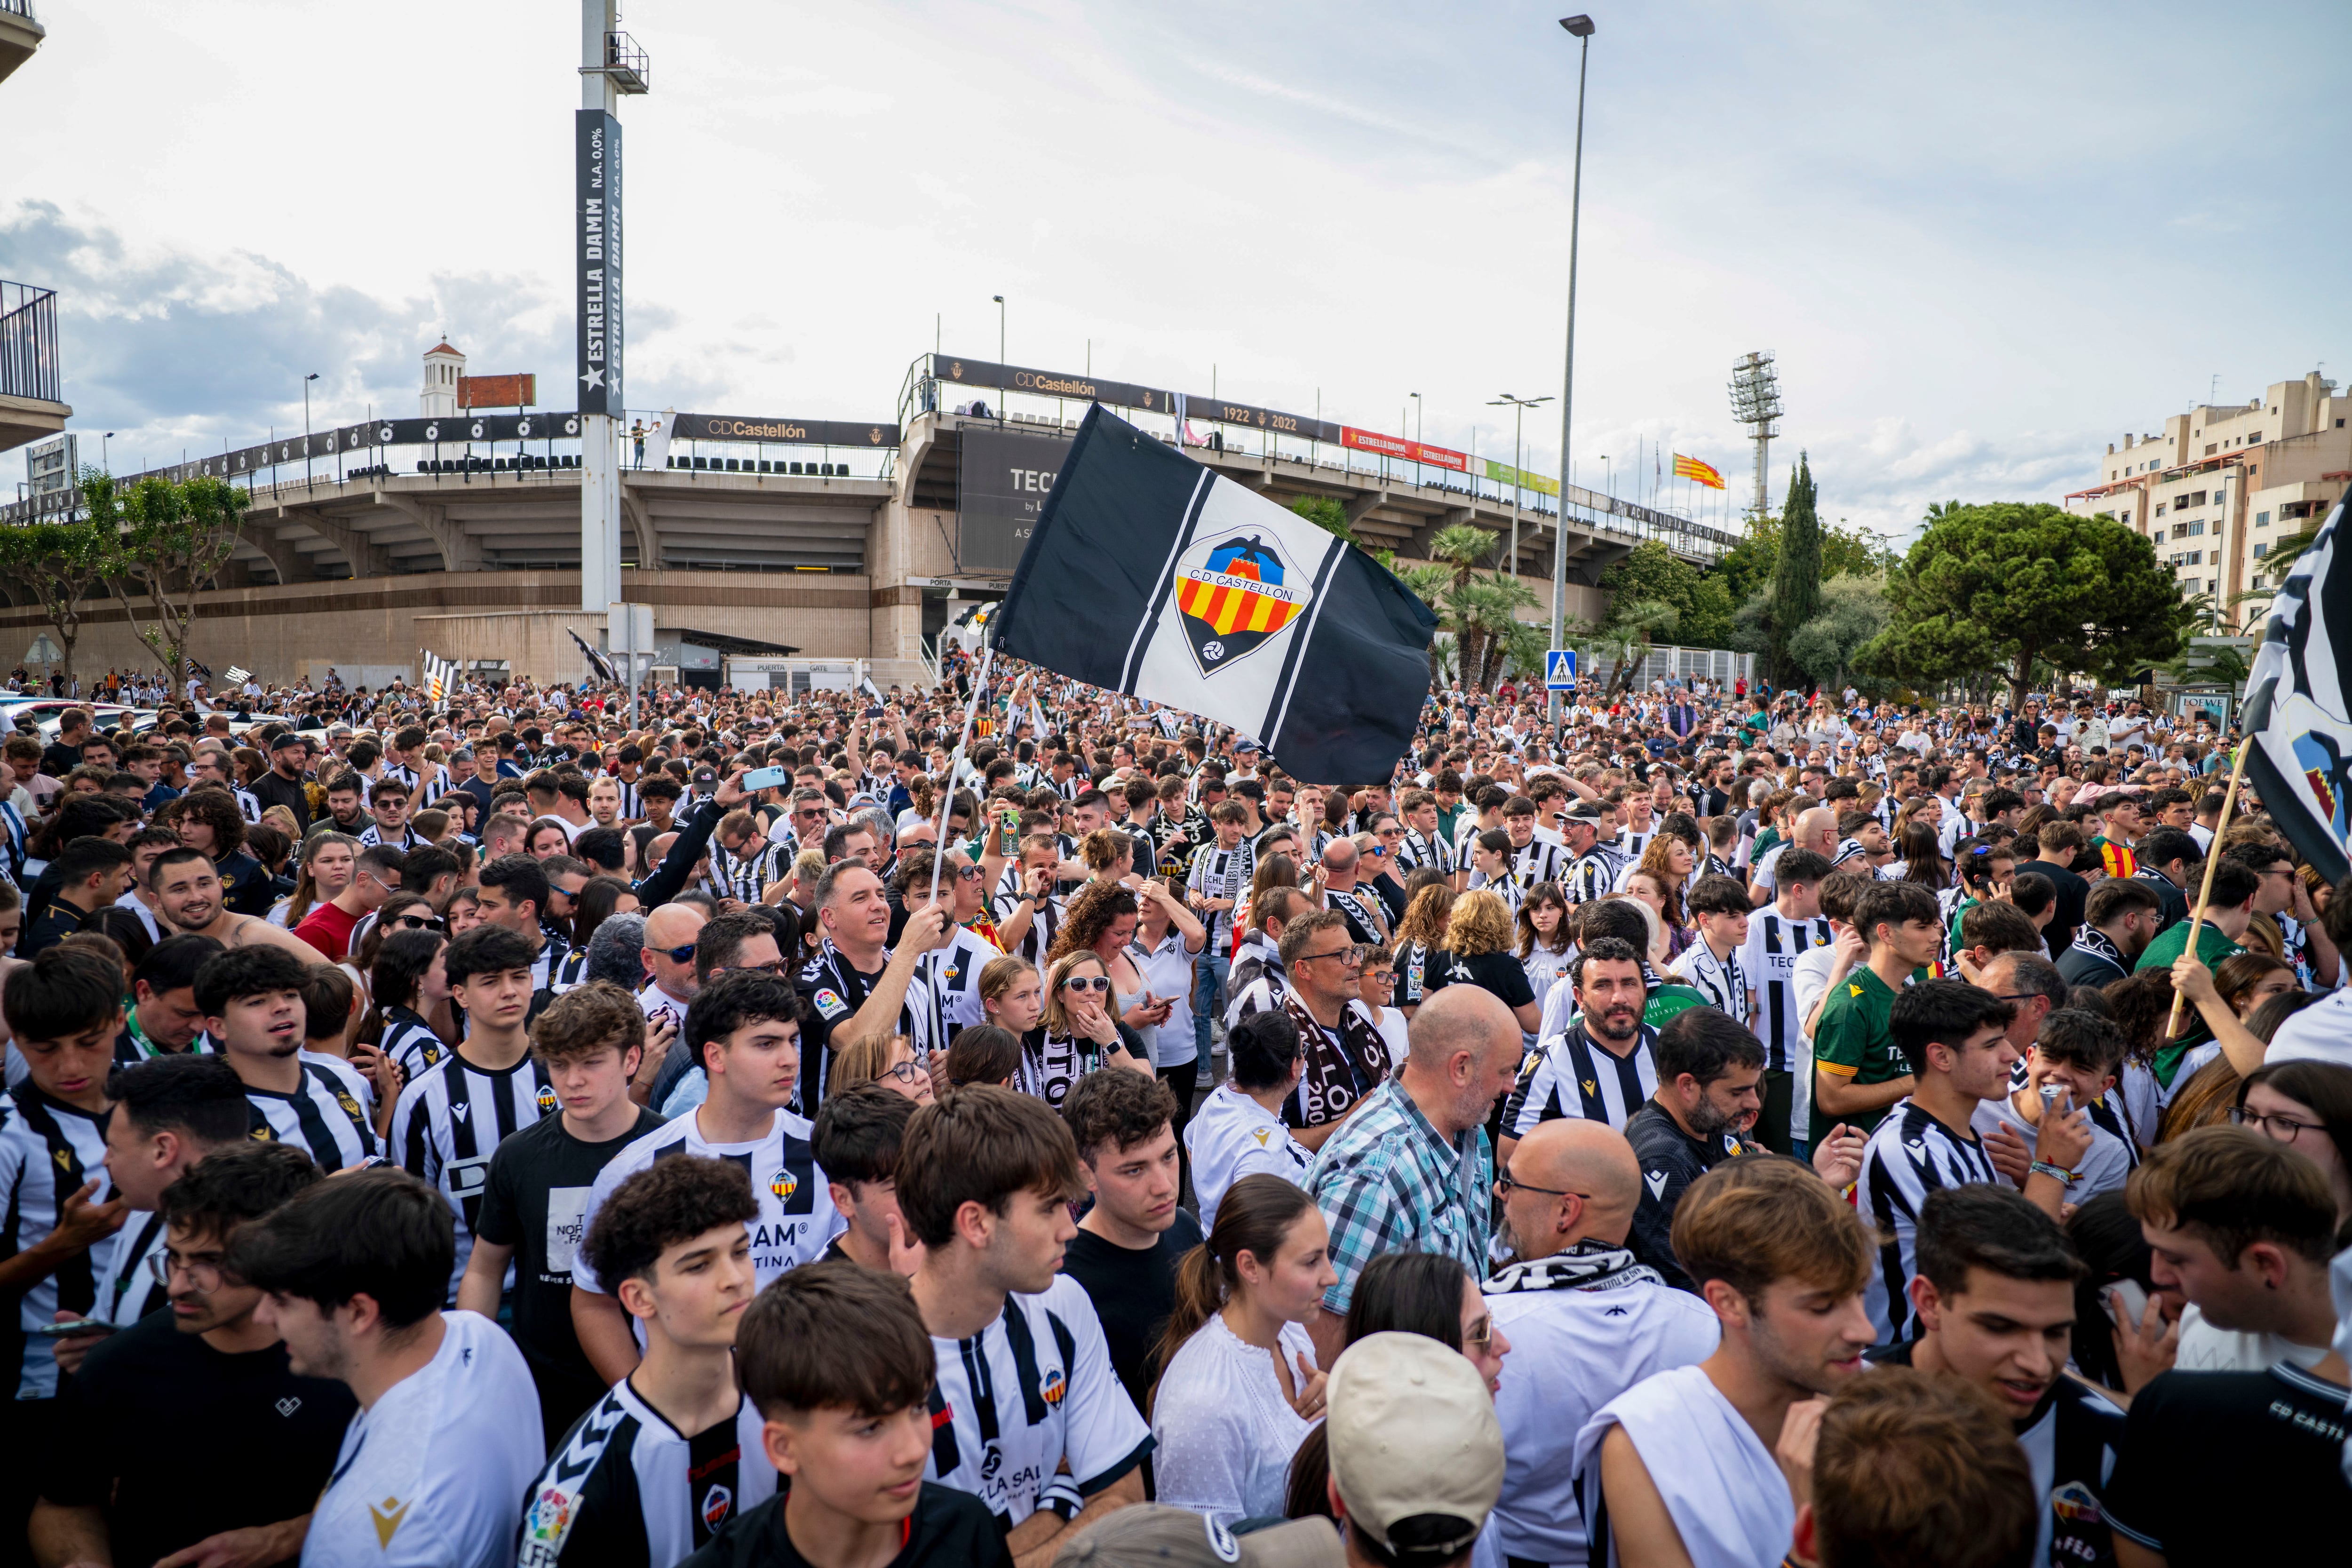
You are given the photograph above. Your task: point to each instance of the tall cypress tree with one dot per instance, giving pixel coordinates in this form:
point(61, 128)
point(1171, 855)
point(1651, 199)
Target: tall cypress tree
point(1797, 581)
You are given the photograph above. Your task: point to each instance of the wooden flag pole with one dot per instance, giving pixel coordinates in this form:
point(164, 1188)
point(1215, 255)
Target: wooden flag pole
point(2212, 858)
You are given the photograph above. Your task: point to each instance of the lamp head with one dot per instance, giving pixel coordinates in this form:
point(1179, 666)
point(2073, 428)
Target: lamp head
point(1579, 27)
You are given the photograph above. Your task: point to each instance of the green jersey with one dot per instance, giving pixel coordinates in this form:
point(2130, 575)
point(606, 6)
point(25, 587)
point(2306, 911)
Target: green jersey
point(1853, 1041)
point(2212, 947)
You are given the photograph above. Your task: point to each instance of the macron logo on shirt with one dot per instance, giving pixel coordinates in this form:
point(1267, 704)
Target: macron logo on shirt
point(1657, 1180)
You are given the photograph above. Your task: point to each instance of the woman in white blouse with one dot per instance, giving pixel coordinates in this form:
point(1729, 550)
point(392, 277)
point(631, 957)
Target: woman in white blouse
point(1241, 1388)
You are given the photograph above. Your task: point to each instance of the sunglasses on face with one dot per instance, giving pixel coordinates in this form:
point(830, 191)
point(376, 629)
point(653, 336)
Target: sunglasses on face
point(419, 923)
point(1087, 983)
point(680, 954)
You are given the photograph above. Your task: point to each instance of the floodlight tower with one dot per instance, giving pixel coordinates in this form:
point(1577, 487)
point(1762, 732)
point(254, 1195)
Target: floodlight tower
point(611, 66)
point(1756, 402)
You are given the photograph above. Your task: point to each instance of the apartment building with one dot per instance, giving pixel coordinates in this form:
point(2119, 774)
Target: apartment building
point(2223, 481)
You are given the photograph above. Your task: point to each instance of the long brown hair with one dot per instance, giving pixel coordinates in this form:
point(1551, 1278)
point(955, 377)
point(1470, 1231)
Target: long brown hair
point(1254, 1215)
point(1091, 913)
point(1425, 918)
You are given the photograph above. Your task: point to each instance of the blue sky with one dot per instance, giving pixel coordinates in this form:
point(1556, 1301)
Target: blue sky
point(1982, 241)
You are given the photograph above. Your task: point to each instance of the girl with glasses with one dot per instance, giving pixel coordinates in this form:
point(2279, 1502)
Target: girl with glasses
point(2307, 1105)
point(886, 1060)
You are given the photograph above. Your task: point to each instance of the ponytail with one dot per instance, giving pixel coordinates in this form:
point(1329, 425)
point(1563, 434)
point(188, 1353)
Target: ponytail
point(1254, 1217)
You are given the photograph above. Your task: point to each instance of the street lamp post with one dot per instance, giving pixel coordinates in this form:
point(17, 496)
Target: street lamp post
point(106, 453)
point(1518, 418)
point(306, 427)
point(1580, 28)
point(1000, 330)
point(1416, 436)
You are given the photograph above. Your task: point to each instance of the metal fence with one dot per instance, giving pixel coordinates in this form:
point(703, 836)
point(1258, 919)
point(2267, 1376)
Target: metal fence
point(1685, 664)
point(28, 342)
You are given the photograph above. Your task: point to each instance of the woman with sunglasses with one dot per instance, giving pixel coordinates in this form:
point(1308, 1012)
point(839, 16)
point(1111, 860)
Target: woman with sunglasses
point(1102, 921)
point(1079, 1033)
point(411, 988)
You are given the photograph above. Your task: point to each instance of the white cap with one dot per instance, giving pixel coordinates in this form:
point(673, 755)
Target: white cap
point(1413, 1437)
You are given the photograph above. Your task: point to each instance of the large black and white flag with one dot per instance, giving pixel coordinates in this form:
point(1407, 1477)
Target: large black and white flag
point(440, 676)
point(2299, 712)
point(1153, 575)
point(597, 662)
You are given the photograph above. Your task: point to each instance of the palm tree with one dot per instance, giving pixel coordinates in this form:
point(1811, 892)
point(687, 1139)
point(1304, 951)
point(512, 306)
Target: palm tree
point(1429, 584)
point(1939, 510)
point(1626, 639)
point(1496, 600)
point(1460, 548)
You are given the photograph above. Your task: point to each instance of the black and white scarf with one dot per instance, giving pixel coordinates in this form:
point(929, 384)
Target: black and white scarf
point(2092, 940)
point(1588, 1266)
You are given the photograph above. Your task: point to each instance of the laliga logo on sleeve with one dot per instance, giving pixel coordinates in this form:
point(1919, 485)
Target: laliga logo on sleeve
point(1232, 597)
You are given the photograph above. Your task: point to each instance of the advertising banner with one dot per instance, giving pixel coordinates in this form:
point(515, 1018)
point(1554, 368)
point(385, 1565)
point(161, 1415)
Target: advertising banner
point(1005, 479)
point(597, 225)
point(1504, 474)
point(1409, 451)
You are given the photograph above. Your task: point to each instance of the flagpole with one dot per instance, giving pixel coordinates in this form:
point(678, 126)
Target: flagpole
point(2212, 858)
point(947, 791)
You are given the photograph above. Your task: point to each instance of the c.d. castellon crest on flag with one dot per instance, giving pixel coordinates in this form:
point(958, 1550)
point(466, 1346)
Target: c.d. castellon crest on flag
point(1233, 596)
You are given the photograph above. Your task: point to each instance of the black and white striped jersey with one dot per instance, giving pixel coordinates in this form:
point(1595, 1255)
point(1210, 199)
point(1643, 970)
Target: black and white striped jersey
point(835, 989)
point(1630, 844)
point(1909, 1155)
point(403, 841)
point(570, 973)
point(1540, 861)
point(452, 1120)
point(127, 1286)
point(796, 1213)
point(1361, 911)
point(1221, 873)
point(1768, 958)
point(1044, 925)
point(746, 877)
point(326, 1117)
point(1590, 877)
point(1033, 1389)
point(626, 1488)
point(47, 1149)
point(1568, 1075)
point(1420, 850)
point(554, 945)
point(950, 975)
point(411, 1043)
point(1722, 981)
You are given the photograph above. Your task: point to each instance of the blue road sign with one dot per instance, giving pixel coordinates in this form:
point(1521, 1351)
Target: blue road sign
point(1560, 670)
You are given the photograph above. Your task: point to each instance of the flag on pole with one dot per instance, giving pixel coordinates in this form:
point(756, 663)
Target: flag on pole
point(440, 675)
point(597, 662)
point(2298, 712)
point(1152, 575)
point(1692, 469)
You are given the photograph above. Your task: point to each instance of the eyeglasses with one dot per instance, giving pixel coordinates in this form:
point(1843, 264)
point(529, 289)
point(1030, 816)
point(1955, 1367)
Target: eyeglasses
point(163, 1264)
point(1087, 983)
point(905, 1072)
point(679, 954)
point(1480, 1335)
point(2284, 1129)
point(1506, 1183)
point(1348, 957)
point(419, 923)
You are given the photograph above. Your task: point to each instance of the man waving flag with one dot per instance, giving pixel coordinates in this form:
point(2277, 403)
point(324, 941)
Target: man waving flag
point(1151, 574)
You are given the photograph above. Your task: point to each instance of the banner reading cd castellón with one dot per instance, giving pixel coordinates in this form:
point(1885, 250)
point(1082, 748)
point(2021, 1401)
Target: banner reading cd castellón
point(1151, 574)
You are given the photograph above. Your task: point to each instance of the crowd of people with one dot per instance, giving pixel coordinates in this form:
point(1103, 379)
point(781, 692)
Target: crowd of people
point(1008, 1123)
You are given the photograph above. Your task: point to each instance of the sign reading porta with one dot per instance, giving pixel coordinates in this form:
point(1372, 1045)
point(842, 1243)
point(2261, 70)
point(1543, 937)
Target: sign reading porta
point(1005, 479)
point(597, 239)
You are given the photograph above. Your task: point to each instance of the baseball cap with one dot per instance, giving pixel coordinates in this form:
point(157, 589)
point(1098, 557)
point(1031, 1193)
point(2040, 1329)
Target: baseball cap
point(288, 738)
point(1157, 1534)
point(1416, 1451)
point(1585, 811)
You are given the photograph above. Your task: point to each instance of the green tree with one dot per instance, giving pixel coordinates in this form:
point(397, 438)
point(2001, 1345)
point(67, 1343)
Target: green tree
point(1748, 566)
point(1654, 574)
point(1327, 514)
point(59, 564)
point(167, 543)
point(1796, 577)
point(2004, 585)
point(1853, 611)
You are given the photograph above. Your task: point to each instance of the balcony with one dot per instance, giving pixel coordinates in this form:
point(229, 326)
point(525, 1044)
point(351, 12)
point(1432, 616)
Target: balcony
point(20, 34)
point(32, 379)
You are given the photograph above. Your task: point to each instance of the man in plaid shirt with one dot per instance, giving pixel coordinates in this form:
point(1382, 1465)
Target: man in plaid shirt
point(1410, 1170)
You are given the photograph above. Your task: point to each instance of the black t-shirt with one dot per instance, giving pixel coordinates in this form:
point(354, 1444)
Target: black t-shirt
point(1671, 1160)
point(1133, 1292)
point(265, 1440)
point(2215, 1463)
point(274, 788)
point(2073, 891)
point(535, 1200)
point(949, 1529)
point(1499, 971)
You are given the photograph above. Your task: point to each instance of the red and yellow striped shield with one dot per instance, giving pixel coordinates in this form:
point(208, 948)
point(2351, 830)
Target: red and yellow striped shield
point(1232, 597)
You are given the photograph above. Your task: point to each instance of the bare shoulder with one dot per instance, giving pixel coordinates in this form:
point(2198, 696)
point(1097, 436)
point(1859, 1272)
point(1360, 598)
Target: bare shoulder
point(255, 932)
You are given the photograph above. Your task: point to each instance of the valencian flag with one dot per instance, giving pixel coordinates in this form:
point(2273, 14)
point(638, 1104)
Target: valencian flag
point(2299, 712)
point(1692, 469)
point(1151, 574)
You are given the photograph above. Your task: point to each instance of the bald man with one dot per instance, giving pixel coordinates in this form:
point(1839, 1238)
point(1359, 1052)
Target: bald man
point(1585, 1321)
point(1408, 1168)
point(1814, 829)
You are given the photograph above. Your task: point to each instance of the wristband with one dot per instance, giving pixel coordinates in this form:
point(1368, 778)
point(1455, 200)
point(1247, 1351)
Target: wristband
point(2044, 1168)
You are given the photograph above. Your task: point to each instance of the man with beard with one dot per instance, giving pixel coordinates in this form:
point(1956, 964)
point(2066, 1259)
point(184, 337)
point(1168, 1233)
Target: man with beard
point(1681, 1463)
point(1585, 1320)
point(1601, 1068)
point(1709, 1093)
point(188, 890)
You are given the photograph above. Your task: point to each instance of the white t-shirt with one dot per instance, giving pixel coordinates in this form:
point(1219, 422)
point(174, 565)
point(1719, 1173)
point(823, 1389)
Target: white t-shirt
point(2320, 1033)
point(1719, 1483)
point(2104, 1166)
point(1231, 1136)
point(2205, 1348)
point(1225, 1432)
point(433, 1473)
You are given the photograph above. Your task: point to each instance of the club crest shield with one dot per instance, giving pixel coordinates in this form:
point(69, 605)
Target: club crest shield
point(1232, 596)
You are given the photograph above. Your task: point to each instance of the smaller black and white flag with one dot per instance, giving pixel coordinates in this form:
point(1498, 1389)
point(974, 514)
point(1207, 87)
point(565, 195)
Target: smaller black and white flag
point(2299, 712)
point(596, 659)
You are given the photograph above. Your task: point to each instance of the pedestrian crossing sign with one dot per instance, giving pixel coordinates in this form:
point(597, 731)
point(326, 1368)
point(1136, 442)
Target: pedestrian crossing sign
point(1560, 670)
